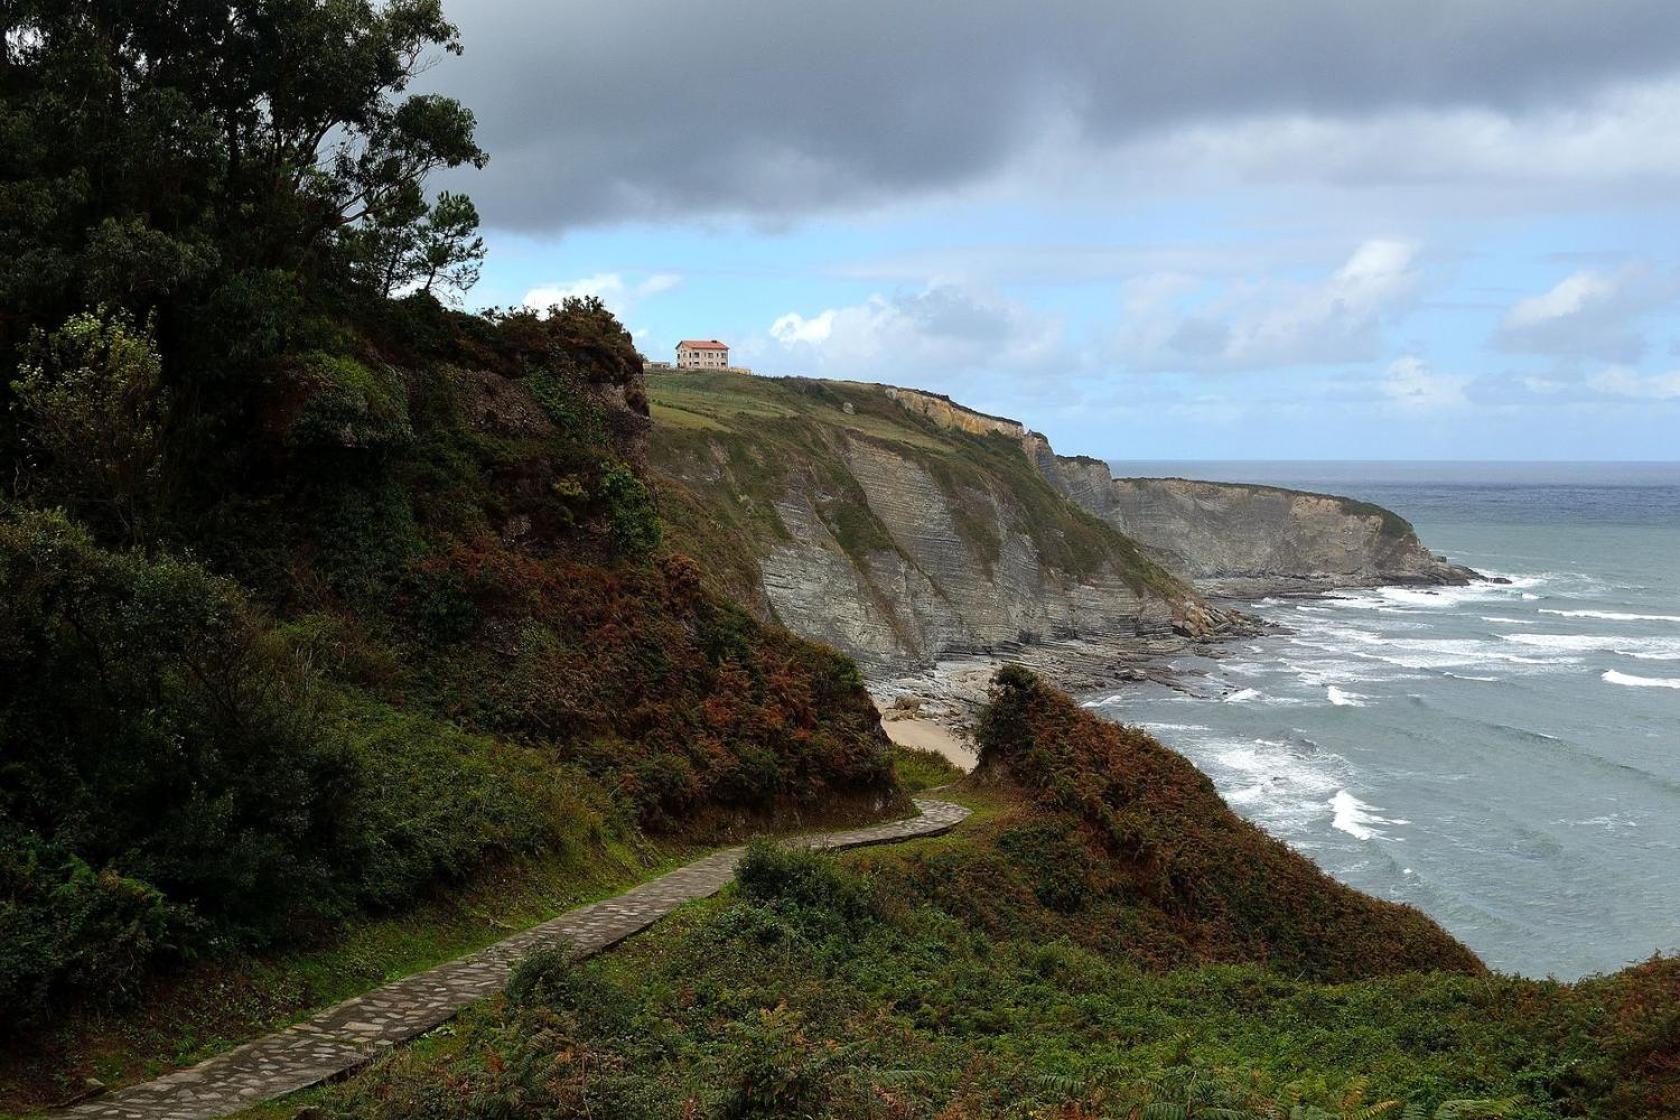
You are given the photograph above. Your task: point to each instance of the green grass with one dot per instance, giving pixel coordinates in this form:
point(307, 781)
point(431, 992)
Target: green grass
point(919, 770)
point(675, 416)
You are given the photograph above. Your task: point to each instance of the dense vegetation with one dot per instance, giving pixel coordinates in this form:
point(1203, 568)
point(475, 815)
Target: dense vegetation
point(317, 596)
point(1201, 882)
point(1023, 967)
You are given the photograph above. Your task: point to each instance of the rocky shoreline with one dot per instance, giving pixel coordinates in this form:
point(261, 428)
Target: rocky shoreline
point(933, 706)
point(936, 707)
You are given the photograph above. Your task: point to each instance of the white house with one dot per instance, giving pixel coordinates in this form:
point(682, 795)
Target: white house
point(702, 353)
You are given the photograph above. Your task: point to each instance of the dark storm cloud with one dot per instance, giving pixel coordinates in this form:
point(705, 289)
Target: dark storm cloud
point(605, 110)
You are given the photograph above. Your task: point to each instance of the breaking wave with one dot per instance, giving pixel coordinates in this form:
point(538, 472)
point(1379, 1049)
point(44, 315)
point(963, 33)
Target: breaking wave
point(1356, 818)
point(1611, 676)
point(1608, 616)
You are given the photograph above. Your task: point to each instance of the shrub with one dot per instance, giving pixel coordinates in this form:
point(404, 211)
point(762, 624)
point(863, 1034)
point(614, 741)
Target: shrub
point(775, 1070)
point(800, 878)
point(431, 803)
point(545, 978)
point(918, 769)
point(154, 732)
point(635, 524)
point(64, 925)
point(348, 404)
point(91, 407)
point(1055, 861)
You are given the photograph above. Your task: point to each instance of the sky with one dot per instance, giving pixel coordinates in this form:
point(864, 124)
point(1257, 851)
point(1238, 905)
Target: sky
point(1199, 229)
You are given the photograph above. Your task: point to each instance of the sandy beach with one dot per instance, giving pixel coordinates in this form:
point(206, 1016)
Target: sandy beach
point(929, 735)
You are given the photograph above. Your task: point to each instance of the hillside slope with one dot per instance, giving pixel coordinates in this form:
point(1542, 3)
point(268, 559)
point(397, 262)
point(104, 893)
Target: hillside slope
point(1101, 938)
point(412, 628)
point(887, 533)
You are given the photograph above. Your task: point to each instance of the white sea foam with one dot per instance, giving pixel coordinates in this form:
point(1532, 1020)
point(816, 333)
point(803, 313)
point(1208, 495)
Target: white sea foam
point(1282, 785)
point(1576, 643)
point(1645, 649)
point(1510, 621)
point(1104, 702)
point(1343, 699)
point(1242, 695)
point(1611, 676)
point(1356, 818)
point(1520, 579)
point(1613, 616)
point(1449, 653)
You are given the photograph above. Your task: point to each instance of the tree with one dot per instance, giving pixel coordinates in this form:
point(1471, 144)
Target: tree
point(409, 246)
point(150, 152)
point(90, 407)
point(222, 171)
point(451, 252)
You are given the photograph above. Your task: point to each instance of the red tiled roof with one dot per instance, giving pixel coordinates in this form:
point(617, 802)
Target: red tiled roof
point(701, 344)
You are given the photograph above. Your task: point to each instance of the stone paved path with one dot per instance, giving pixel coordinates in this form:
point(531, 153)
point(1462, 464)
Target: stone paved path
point(353, 1033)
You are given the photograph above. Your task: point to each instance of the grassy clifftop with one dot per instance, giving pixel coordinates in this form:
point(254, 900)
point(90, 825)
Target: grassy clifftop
point(769, 429)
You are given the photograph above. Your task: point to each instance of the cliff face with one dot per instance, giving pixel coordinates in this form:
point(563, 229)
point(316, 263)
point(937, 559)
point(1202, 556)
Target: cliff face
point(1238, 539)
point(895, 533)
point(1228, 538)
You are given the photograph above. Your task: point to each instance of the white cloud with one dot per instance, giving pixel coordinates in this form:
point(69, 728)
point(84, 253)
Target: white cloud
point(1268, 322)
point(620, 295)
point(1413, 387)
point(1627, 383)
point(1570, 297)
point(1590, 313)
point(658, 282)
point(793, 328)
point(943, 329)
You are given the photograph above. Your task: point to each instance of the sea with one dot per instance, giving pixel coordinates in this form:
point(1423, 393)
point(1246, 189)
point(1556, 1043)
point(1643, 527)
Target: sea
point(1504, 756)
